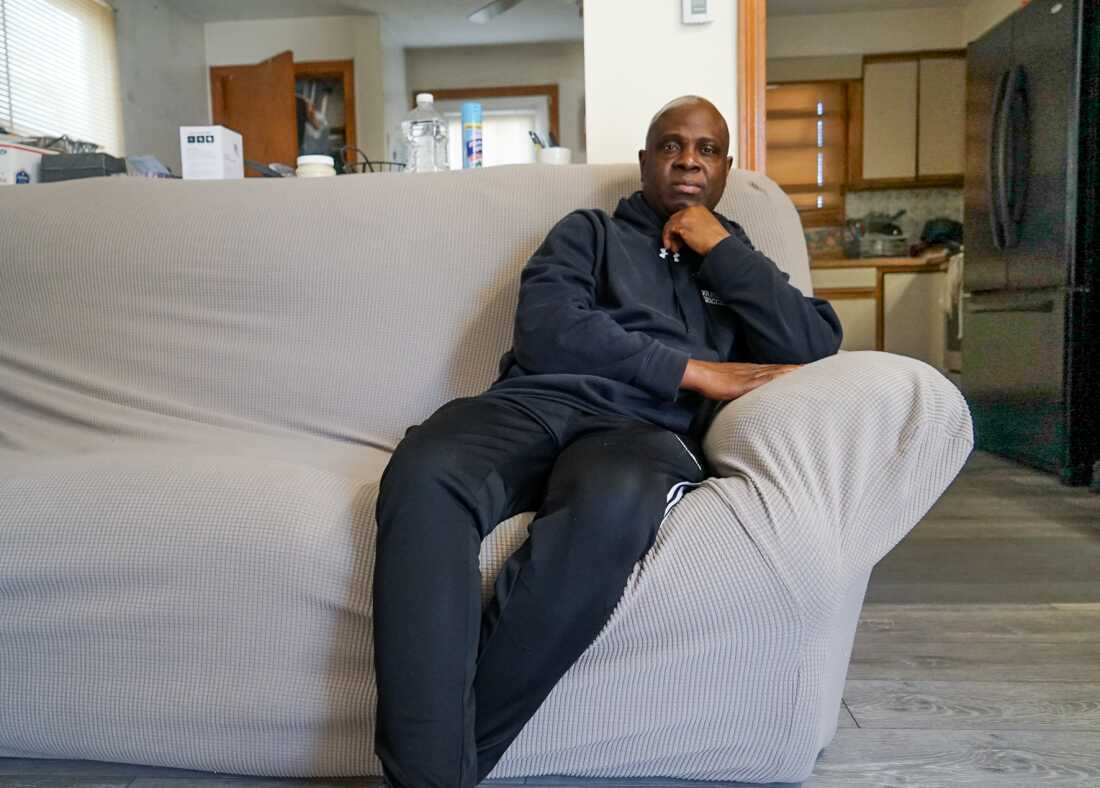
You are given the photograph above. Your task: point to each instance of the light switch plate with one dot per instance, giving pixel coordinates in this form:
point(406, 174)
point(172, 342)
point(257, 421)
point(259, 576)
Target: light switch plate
point(697, 12)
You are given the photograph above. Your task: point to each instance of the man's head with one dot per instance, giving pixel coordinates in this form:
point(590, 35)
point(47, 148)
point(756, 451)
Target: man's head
point(686, 157)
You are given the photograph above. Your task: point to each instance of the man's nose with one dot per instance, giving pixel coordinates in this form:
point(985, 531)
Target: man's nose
point(687, 160)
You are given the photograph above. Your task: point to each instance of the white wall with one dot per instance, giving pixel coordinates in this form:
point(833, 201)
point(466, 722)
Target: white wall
point(560, 63)
point(864, 32)
point(162, 75)
point(355, 38)
point(829, 46)
point(638, 55)
point(395, 92)
point(250, 41)
point(980, 15)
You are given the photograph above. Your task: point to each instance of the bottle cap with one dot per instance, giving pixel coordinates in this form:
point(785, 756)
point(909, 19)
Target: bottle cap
point(316, 159)
point(428, 97)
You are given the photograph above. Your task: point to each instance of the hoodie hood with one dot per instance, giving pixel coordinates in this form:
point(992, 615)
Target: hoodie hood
point(636, 212)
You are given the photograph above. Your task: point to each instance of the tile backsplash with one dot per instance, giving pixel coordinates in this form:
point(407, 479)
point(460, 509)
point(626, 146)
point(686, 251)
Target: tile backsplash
point(920, 205)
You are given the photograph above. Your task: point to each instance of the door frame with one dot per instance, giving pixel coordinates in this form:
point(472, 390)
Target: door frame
point(335, 69)
point(323, 69)
point(752, 85)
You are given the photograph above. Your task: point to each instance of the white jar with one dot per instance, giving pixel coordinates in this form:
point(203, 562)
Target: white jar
point(315, 166)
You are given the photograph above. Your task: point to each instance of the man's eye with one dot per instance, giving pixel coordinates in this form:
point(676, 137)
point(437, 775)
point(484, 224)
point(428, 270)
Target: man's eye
point(710, 150)
point(671, 146)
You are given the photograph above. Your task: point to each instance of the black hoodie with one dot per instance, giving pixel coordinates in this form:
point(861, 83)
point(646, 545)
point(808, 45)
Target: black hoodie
point(608, 318)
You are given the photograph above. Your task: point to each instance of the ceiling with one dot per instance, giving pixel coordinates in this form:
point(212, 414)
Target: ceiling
point(792, 7)
point(417, 23)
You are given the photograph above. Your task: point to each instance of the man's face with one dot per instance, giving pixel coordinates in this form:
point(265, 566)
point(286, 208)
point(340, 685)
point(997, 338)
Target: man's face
point(686, 159)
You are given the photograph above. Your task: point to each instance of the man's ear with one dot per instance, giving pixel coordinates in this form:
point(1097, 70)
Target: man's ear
point(641, 165)
point(729, 164)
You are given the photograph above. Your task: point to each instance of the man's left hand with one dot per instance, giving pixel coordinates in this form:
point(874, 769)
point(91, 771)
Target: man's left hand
point(695, 227)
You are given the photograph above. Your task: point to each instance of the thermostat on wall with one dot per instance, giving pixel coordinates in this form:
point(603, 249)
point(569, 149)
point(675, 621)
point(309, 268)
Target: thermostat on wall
point(697, 12)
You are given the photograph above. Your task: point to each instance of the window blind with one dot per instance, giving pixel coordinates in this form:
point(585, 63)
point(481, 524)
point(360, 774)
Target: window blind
point(59, 71)
point(807, 133)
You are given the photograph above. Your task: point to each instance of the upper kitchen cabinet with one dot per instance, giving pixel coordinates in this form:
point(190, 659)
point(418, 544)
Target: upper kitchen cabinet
point(913, 118)
point(941, 117)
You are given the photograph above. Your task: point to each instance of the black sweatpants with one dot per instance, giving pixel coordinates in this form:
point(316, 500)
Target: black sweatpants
point(456, 686)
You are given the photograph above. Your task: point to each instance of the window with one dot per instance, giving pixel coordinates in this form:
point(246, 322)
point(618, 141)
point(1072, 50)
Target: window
point(508, 116)
point(807, 134)
point(59, 71)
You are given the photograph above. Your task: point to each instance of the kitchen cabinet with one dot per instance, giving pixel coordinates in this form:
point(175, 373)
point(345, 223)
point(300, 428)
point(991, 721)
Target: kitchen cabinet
point(890, 119)
point(913, 121)
point(887, 303)
point(941, 117)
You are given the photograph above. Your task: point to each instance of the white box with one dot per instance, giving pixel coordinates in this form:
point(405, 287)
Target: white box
point(211, 153)
point(21, 163)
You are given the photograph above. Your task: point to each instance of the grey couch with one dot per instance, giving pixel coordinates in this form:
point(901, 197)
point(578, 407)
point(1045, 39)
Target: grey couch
point(200, 383)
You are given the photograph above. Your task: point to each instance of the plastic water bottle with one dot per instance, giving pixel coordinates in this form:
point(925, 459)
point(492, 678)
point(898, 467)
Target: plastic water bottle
point(426, 133)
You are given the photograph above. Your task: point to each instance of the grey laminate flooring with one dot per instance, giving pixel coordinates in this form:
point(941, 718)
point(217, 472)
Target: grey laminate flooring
point(977, 661)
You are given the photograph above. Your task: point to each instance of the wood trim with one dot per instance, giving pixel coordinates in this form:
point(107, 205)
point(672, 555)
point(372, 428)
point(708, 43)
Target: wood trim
point(855, 132)
point(886, 57)
point(822, 217)
point(923, 182)
point(751, 85)
point(344, 70)
point(845, 293)
point(934, 262)
point(453, 94)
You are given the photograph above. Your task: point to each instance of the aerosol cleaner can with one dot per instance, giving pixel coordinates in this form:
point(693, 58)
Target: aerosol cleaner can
point(471, 134)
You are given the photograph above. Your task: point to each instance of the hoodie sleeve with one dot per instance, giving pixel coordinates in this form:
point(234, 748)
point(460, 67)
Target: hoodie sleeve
point(777, 324)
point(560, 328)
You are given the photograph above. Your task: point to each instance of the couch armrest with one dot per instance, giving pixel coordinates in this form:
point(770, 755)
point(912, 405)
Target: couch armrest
point(850, 451)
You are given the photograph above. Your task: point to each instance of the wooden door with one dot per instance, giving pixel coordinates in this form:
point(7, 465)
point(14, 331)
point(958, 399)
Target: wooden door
point(257, 101)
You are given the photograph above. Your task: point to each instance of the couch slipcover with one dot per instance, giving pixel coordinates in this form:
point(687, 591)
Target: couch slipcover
point(200, 383)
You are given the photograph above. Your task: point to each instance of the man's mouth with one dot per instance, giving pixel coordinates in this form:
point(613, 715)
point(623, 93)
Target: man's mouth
point(687, 188)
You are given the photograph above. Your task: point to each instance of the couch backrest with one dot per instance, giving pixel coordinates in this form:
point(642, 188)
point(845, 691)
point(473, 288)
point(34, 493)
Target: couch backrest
point(349, 306)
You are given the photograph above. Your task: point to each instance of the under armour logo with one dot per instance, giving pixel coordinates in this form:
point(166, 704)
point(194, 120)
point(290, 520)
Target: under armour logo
point(663, 254)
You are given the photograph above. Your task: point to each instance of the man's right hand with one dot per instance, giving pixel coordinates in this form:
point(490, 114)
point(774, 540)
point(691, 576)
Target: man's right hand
point(730, 380)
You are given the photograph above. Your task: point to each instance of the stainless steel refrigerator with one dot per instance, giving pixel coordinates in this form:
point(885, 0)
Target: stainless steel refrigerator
point(1031, 317)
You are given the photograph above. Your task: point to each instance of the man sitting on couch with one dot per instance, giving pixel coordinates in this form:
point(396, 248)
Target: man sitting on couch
point(630, 329)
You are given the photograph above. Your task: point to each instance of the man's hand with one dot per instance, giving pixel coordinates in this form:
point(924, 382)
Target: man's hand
point(694, 226)
point(730, 380)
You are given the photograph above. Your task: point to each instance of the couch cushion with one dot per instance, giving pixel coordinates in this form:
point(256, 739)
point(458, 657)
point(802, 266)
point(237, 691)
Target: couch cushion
point(347, 308)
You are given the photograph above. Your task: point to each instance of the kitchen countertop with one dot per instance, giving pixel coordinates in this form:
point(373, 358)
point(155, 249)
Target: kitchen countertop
point(933, 259)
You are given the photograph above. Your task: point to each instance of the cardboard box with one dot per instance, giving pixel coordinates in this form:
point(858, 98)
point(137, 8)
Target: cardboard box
point(21, 163)
point(211, 153)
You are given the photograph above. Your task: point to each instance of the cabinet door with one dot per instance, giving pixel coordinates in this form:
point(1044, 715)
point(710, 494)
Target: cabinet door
point(890, 119)
point(942, 114)
point(914, 317)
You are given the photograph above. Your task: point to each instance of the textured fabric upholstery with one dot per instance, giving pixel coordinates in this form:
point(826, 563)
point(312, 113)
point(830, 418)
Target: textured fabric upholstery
point(199, 383)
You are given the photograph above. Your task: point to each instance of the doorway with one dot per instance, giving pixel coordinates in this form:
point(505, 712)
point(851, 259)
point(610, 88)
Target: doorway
point(283, 109)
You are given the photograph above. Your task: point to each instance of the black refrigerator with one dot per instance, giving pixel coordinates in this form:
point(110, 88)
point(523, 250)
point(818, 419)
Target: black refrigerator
point(1031, 314)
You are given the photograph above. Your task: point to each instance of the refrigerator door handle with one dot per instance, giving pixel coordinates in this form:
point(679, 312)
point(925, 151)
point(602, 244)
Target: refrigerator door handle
point(994, 167)
point(1042, 306)
point(1013, 155)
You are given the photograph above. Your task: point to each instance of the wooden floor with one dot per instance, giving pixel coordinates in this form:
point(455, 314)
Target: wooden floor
point(977, 661)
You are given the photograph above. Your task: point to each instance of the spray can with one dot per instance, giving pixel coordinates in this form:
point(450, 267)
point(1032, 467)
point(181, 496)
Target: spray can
point(471, 134)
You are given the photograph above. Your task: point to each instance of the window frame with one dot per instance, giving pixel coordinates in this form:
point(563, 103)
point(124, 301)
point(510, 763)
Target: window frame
point(505, 91)
point(853, 120)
